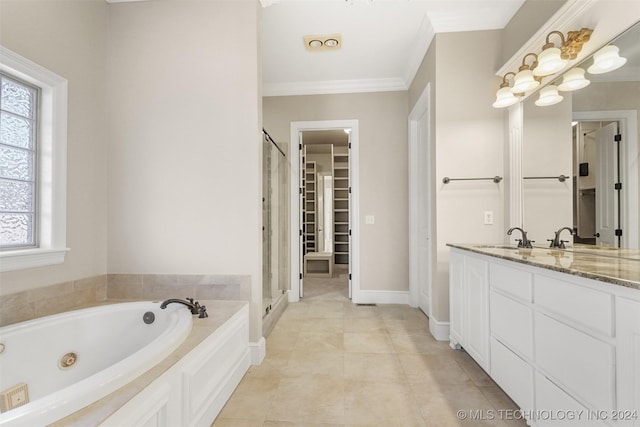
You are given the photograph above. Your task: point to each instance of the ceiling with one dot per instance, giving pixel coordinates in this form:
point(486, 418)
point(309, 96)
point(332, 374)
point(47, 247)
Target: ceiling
point(383, 41)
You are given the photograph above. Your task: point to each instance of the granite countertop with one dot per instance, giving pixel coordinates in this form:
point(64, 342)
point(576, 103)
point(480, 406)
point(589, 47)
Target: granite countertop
point(616, 266)
point(219, 312)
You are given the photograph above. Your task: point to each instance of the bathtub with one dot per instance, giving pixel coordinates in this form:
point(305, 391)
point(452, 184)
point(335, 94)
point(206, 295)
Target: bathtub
point(75, 358)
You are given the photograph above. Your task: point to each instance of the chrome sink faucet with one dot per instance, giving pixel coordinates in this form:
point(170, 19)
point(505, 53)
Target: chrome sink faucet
point(556, 242)
point(524, 242)
point(195, 307)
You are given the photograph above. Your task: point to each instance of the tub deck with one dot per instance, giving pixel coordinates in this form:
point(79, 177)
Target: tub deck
point(96, 413)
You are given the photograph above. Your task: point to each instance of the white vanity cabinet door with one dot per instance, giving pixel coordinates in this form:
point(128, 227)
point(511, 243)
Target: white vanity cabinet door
point(588, 307)
point(469, 306)
point(512, 323)
point(512, 281)
point(456, 279)
point(555, 408)
point(476, 283)
point(628, 360)
point(513, 374)
point(580, 363)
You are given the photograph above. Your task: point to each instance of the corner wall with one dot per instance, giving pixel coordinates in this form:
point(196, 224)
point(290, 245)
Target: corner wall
point(468, 140)
point(185, 156)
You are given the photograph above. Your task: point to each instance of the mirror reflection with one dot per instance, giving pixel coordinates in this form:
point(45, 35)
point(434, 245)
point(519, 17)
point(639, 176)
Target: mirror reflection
point(590, 136)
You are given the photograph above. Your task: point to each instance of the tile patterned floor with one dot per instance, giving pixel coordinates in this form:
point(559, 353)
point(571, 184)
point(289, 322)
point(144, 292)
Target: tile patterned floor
point(332, 363)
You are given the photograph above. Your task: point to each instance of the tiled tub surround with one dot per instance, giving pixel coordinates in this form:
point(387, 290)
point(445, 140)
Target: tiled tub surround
point(616, 266)
point(190, 385)
point(104, 348)
point(72, 295)
point(559, 331)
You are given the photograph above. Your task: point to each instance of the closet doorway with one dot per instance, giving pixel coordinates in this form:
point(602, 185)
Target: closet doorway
point(324, 204)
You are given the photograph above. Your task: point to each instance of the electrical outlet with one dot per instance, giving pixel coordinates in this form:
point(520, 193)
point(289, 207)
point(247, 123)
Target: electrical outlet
point(369, 219)
point(488, 217)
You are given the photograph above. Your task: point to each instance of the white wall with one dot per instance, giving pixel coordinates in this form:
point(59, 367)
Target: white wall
point(467, 135)
point(382, 119)
point(69, 38)
point(185, 156)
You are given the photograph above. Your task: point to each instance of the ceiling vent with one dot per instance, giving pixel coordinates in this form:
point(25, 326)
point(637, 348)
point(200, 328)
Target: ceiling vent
point(318, 43)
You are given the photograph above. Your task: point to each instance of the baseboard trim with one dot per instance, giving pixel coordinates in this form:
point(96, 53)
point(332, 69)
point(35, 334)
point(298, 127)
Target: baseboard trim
point(382, 297)
point(439, 330)
point(258, 351)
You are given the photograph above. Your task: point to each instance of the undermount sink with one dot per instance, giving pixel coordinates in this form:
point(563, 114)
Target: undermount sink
point(496, 247)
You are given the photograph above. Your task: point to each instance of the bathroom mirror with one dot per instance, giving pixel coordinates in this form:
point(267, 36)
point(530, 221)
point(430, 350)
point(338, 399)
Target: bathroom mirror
point(567, 139)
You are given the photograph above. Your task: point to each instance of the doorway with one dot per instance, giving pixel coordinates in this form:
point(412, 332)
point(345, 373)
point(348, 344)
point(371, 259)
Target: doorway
point(324, 203)
point(596, 206)
point(621, 211)
point(420, 206)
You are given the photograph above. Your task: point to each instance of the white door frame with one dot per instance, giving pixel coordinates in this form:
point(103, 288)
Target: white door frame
point(354, 168)
point(628, 120)
point(416, 164)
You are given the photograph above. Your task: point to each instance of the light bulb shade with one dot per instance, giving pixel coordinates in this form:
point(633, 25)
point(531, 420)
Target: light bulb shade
point(524, 82)
point(505, 98)
point(548, 96)
point(573, 80)
point(606, 59)
point(549, 62)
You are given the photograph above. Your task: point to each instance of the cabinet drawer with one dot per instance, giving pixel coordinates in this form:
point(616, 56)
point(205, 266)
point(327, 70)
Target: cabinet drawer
point(581, 364)
point(512, 281)
point(554, 407)
point(512, 323)
point(513, 374)
point(588, 307)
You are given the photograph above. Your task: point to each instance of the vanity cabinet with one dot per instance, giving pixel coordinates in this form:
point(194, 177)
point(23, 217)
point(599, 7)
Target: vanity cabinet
point(511, 331)
point(557, 343)
point(469, 306)
point(628, 359)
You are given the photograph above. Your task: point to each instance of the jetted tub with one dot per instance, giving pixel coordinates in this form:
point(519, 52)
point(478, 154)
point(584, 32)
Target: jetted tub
point(72, 359)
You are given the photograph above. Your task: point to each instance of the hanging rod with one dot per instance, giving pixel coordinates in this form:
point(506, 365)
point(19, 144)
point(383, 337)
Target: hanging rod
point(266, 134)
point(561, 178)
point(495, 179)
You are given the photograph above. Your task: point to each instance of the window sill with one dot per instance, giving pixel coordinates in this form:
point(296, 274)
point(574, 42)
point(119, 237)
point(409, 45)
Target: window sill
point(31, 258)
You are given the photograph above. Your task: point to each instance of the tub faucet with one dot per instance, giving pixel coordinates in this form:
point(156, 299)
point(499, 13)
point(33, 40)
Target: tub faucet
point(524, 242)
point(195, 307)
point(556, 242)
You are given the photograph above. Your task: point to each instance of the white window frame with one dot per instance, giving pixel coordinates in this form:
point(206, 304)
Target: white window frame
point(52, 167)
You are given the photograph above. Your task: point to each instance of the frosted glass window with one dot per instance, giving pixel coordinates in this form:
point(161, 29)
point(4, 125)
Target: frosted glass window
point(18, 163)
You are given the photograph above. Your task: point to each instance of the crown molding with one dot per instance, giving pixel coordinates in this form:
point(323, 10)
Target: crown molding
point(334, 87)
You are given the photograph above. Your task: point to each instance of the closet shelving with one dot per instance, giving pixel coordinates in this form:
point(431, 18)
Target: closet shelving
point(341, 204)
point(309, 201)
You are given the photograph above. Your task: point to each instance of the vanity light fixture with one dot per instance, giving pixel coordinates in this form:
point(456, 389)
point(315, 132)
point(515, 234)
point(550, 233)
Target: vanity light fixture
point(505, 96)
point(525, 81)
point(548, 96)
point(606, 59)
point(573, 80)
point(550, 60)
